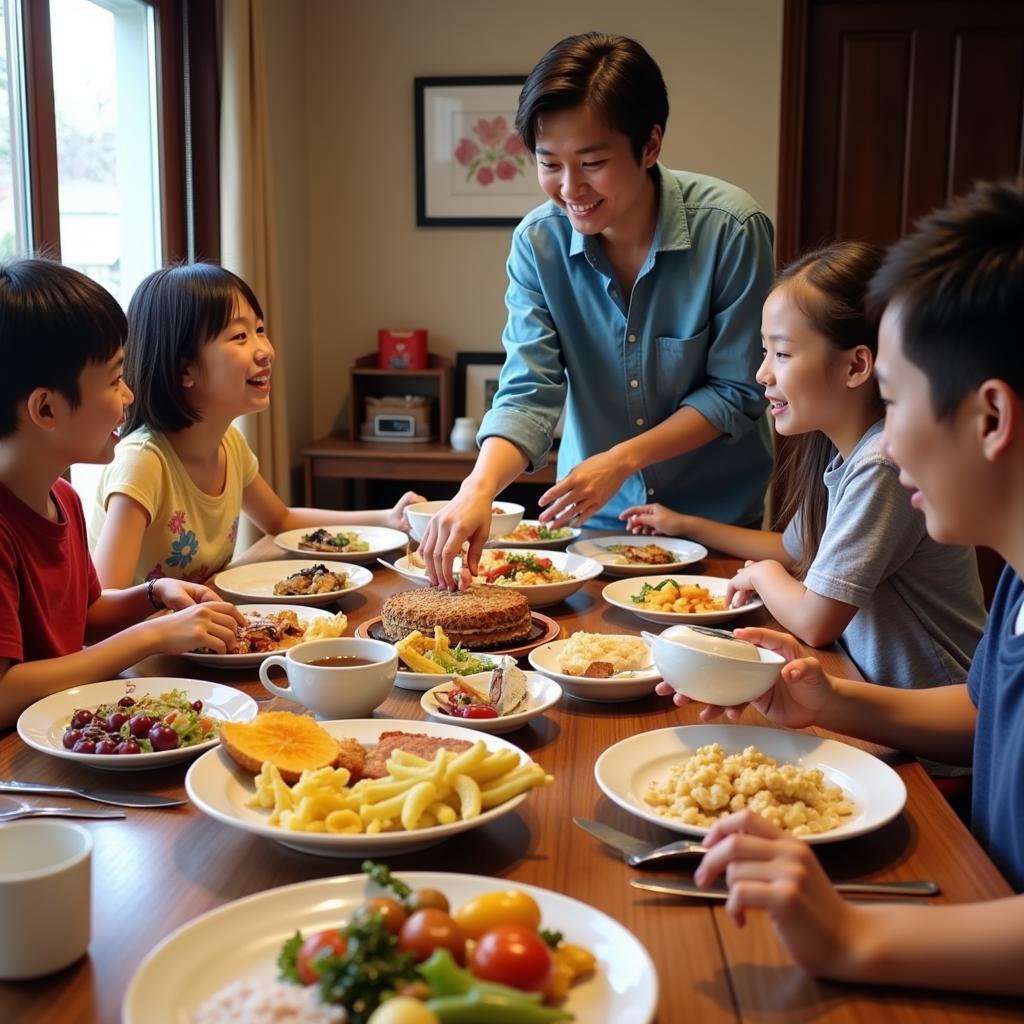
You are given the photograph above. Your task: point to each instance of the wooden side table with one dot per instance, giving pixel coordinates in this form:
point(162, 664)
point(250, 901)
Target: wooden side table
point(337, 458)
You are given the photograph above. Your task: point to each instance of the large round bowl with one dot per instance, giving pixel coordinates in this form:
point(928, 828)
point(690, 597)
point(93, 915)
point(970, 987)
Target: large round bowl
point(505, 516)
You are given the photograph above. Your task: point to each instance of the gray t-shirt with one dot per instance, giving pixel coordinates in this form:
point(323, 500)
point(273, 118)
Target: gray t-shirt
point(920, 606)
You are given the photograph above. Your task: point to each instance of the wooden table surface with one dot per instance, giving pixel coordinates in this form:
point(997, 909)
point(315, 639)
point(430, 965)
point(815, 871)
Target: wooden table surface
point(160, 868)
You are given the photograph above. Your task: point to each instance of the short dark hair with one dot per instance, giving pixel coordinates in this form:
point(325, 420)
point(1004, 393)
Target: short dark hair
point(173, 313)
point(53, 322)
point(614, 75)
point(958, 282)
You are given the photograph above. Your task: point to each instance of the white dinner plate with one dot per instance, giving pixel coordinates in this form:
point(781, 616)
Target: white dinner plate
point(306, 616)
point(686, 553)
point(570, 533)
point(221, 788)
point(631, 684)
point(624, 771)
point(541, 693)
point(620, 594)
point(42, 725)
point(420, 681)
point(255, 582)
point(380, 538)
point(539, 595)
point(241, 940)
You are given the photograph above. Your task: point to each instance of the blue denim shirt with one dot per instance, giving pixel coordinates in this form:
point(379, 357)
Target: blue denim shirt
point(690, 334)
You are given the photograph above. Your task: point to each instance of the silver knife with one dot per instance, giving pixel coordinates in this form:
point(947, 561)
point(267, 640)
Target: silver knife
point(629, 846)
point(677, 887)
point(118, 797)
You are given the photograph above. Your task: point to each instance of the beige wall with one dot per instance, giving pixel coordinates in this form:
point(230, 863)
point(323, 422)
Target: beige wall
point(366, 264)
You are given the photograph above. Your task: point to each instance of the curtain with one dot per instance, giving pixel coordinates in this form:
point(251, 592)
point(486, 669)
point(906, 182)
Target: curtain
point(248, 231)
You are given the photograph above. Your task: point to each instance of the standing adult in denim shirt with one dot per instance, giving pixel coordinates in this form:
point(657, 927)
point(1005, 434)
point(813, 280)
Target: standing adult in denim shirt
point(634, 300)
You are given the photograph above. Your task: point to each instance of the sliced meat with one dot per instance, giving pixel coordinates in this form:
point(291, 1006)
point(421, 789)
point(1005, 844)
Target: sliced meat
point(411, 742)
point(600, 670)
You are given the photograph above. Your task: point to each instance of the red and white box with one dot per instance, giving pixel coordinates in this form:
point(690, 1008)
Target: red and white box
point(401, 350)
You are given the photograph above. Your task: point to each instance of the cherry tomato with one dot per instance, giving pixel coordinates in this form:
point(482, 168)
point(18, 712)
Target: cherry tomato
point(490, 909)
point(393, 915)
point(432, 898)
point(328, 943)
point(473, 711)
point(430, 929)
point(512, 955)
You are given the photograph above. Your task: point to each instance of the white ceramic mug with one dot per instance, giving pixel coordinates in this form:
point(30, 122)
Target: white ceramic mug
point(335, 691)
point(45, 897)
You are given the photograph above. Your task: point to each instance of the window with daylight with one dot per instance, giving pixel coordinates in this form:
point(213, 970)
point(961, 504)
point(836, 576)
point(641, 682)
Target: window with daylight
point(14, 229)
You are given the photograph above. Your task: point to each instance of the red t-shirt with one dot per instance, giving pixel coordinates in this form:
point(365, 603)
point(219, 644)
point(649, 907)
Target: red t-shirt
point(47, 579)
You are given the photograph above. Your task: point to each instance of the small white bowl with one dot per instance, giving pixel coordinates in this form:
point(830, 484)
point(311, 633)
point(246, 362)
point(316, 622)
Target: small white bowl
point(711, 667)
point(505, 516)
point(541, 693)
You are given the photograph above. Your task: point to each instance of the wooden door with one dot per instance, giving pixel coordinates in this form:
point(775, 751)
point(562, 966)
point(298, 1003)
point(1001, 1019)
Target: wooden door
point(890, 109)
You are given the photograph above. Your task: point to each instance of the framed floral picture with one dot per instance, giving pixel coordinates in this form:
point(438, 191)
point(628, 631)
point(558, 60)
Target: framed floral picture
point(471, 167)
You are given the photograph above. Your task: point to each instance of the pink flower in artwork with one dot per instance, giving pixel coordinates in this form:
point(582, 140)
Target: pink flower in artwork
point(465, 151)
point(491, 132)
point(514, 146)
point(485, 176)
point(506, 170)
point(176, 522)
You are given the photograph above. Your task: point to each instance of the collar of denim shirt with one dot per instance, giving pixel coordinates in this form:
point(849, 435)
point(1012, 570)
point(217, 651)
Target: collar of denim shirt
point(671, 232)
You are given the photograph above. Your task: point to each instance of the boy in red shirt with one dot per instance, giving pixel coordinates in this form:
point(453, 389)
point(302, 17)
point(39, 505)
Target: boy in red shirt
point(62, 399)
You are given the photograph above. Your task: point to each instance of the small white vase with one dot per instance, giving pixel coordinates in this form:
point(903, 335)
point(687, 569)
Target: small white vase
point(463, 435)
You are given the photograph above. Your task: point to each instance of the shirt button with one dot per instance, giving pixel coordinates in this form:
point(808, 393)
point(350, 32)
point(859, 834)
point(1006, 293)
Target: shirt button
point(650, 492)
point(631, 338)
point(640, 422)
point(634, 383)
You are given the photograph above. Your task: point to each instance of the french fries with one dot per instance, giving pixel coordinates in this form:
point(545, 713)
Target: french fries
point(415, 794)
point(413, 648)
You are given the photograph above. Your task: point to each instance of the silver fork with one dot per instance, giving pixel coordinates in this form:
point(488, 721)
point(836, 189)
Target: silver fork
point(58, 812)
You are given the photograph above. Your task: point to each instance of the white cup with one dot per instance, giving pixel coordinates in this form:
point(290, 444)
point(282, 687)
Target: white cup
point(45, 897)
point(335, 691)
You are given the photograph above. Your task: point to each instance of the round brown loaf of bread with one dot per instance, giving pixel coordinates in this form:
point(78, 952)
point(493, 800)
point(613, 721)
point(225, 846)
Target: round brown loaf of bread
point(481, 616)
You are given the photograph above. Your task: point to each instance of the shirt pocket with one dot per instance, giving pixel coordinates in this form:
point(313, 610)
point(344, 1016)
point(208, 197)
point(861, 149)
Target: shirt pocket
point(681, 363)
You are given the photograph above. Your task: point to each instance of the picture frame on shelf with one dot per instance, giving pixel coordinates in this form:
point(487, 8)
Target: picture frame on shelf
point(471, 167)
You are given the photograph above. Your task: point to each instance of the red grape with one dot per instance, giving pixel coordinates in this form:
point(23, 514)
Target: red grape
point(116, 720)
point(81, 718)
point(107, 746)
point(84, 747)
point(163, 737)
point(71, 737)
point(139, 725)
point(126, 702)
point(128, 747)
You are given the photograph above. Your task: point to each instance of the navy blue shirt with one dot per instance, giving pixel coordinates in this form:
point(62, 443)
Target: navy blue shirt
point(689, 334)
point(996, 686)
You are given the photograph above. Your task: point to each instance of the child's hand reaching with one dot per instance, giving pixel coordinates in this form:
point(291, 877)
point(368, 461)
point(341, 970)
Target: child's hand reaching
point(741, 587)
point(798, 695)
point(653, 519)
point(206, 626)
point(178, 594)
point(396, 517)
point(768, 870)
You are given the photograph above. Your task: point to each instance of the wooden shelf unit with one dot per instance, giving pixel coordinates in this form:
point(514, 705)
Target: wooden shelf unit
point(435, 382)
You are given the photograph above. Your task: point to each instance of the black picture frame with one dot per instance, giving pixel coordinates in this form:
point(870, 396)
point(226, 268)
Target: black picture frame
point(471, 380)
point(471, 168)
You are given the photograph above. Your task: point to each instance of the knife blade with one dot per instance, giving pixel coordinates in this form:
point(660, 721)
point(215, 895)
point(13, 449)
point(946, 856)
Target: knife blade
point(626, 844)
point(118, 797)
point(678, 887)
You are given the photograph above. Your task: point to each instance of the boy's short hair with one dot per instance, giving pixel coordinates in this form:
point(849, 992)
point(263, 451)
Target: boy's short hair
point(53, 322)
point(173, 313)
point(614, 75)
point(958, 282)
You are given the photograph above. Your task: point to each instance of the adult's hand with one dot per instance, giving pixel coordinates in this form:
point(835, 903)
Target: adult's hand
point(583, 492)
point(467, 517)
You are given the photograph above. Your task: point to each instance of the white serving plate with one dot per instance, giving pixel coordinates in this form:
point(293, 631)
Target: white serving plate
point(503, 542)
point(241, 939)
point(233, 661)
point(620, 593)
point(686, 551)
point(629, 685)
point(541, 693)
point(420, 681)
point(625, 769)
point(539, 595)
point(220, 787)
point(42, 725)
point(380, 538)
point(255, 582)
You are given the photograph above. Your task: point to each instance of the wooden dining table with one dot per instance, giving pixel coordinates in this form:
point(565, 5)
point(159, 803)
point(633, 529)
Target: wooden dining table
point(159, 869)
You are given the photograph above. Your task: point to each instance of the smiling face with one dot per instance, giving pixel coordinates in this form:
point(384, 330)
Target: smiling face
point(802, 372)
point(231, 377)
point(590, 171)
point(90, 429)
